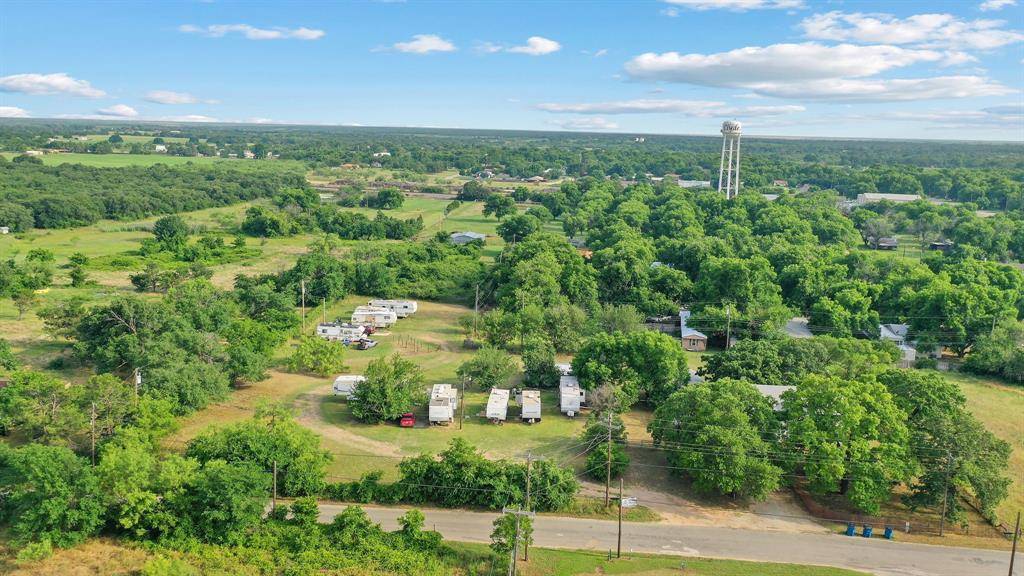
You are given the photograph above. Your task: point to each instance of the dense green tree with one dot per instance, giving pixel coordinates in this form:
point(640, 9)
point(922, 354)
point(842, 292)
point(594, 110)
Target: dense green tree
point(518, 227)
point(224, 500)
point(499, 206)
point(853, 437)
point(489, 368)
point(171, 232)
point(539, 364)
point(318, 356)
point(393, 385)
point(714, 433)
point(642, 365)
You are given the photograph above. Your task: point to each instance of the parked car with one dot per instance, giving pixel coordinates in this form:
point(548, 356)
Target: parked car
point(408, 420)
point(365, 344)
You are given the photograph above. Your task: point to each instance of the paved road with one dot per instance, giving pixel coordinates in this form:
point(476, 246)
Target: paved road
point(878, 556)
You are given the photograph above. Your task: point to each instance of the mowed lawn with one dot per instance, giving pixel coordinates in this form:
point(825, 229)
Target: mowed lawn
point(1001, 408)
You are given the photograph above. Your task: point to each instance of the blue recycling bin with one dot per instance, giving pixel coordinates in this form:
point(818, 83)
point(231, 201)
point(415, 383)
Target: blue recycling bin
point(851, 528)
point(866, 532)
point(888, 532)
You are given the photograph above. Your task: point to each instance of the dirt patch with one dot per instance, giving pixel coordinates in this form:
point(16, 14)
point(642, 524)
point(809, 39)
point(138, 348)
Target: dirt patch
point(307, 405)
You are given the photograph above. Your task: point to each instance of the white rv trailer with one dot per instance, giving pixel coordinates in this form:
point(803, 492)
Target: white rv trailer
point(340, 331)
point(564, 369)
point(345, 384)
point(529, 402)
point(402, 308)
point(497, 405)
point(376, 317)
point(443, 400)
point(570, 396)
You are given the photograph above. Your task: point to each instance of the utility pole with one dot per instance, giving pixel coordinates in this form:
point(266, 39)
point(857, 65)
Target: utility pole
point(529, 467)
point(462, 401)
point(1016, 535)
point(275, 485)
point(517, 512)
point(945, 494)
point(303, 284)
point(325, 310)
point(618, 549)
point(728, 325)
point(608, 460)
point(92, 429)
point(476, 309)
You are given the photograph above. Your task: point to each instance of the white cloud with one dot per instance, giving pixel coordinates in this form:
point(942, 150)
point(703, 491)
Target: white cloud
point(601, 52)
point(923, 30)
point(991, 5)
point(880, 90)
point(253, 33)
point(13, 112)
point(697, 108)
point(258, 120)
point(671, 12)
point(774, 63)
point(738, 5)
point(170, 97)
point(596, 123)
point(815, 71)
point(58, 83)
point(425, 44)
point(188, 118)
point(488, 47)
point(536, 46)
point(119, 110)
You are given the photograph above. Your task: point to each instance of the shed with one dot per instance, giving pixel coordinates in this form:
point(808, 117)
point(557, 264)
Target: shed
point(497, 405)
point(461, 238)
point(941, 245)
point(529, 402)
point(346, 384)
point(888, 243)
point(5, 230)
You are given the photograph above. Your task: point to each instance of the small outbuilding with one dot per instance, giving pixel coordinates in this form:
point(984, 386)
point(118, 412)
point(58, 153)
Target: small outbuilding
point(941, 245)
point(462, 238)
point(5, 230)
point(497, 405)
point(888, 243)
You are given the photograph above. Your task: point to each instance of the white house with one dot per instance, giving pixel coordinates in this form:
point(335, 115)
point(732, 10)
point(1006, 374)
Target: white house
point(897, 333)
point(497, 405)
point(159, 148)
point(443, 400)
point(529, 401)
point(460, 238)
point(376, 317)
point(401, 308)
point(345, 384)
point(564, 369)
point(693, 340)
point(694, 183)
point(870, 197)
point(383, 154)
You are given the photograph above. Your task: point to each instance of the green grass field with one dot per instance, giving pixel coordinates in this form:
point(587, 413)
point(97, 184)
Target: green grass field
point(1001, 408)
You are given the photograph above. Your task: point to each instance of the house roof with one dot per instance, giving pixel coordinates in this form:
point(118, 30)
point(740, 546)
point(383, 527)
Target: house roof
point(774, 392)
point(893, 331)
point(875, 197)
point(473, 235)
point(888, 241)
point(687, 332)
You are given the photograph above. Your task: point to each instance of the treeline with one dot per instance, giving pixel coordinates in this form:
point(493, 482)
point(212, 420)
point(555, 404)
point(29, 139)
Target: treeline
point(300, 210)
point(75, 195)
point(850, 426)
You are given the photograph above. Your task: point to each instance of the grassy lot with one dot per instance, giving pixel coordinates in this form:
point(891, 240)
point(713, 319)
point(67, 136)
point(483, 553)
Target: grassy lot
point(1001, 408)
point(550, 562)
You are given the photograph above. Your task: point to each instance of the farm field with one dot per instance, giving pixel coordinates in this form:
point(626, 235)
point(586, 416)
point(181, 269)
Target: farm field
point(122, 160)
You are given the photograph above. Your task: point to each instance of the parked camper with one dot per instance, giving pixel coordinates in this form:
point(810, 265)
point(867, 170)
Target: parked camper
point(497, 405)
point(402, 308)
point(376, 317)
point(443, 399)
point(570, 396)
point(529, 401)
point(564, 369)
point(340, 331)
point(345, 384)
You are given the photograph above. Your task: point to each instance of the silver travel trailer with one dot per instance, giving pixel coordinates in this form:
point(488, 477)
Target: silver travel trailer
point(529, 402)
point(340, 331)
point(376, 317)
point(443, 400)
point(345, 385)
point(497, 405)
point(571, 397)
point(401, 308)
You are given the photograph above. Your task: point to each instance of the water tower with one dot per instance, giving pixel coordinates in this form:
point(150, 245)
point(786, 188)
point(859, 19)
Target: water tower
point(729, 169)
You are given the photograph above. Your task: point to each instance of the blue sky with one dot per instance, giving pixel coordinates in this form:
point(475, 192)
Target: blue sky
point(936, 69)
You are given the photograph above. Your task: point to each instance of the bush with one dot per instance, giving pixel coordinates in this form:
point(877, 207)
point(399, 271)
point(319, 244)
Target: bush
point(35, 551)
point(164, 566)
